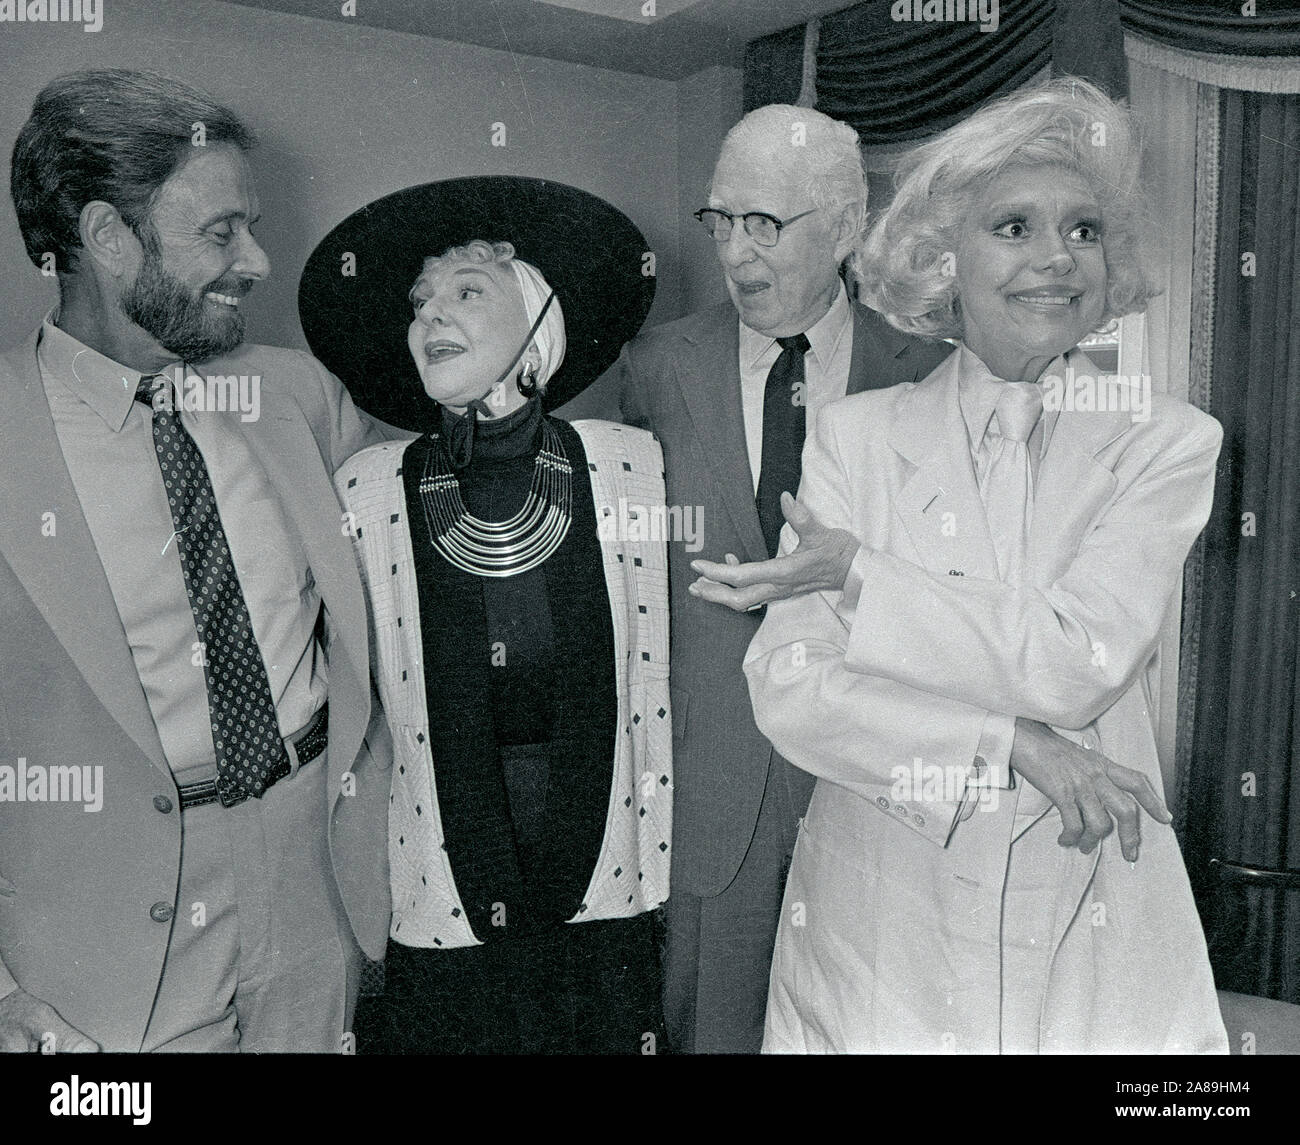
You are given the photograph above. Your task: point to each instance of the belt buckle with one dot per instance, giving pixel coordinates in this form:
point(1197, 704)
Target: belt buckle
point(202, 792)
point(197, 794)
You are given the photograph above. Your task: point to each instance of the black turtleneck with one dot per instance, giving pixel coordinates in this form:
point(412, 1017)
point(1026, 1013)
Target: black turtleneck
point(493, 485)
point(520, 685)
point(469, 436)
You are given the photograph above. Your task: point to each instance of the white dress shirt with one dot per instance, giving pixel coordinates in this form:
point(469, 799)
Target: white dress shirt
point(977, 395)
point(107, 441)
point(826, 371)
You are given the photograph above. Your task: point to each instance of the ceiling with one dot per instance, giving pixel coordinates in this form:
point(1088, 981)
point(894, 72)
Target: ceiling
point(679, 39)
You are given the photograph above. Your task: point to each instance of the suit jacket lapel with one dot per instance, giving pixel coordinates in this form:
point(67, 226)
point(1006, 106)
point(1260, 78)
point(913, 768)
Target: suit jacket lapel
point(939, 504)
point(877, 360)
point(711, 390)
point(1073, 484)
point(62, 572)
point(65, 580)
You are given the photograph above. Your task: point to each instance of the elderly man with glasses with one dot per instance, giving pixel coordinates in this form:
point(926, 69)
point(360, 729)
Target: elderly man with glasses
point(728, 392)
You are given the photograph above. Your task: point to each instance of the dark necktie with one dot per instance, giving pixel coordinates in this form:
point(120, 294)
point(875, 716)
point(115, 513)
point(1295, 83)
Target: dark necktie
point(250, 753)
point(783, 432)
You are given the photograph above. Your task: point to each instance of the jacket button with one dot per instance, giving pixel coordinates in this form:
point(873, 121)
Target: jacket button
point(901, 810)
point(162, 803)
point(881, 801)
point(919, 820)
point(161, 912)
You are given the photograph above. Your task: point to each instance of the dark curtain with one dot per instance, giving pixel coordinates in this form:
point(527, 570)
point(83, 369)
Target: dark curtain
point(773, 68)
point(1242, 831)
point(1217, 25)
point(896, 80)
point(899, 80)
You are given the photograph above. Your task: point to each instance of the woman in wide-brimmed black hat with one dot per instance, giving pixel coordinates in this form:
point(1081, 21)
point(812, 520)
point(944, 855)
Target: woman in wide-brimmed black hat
point(519, 614)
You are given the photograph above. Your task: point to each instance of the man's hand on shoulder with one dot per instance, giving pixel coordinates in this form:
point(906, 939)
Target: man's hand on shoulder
point(28, 1025)
point(820, 562)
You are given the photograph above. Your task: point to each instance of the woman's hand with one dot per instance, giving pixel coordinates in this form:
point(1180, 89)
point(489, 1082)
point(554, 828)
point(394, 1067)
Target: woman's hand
point(818, 563)
point(1092, 792)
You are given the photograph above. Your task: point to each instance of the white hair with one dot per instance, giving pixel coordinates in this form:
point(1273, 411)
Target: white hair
point(821, 154)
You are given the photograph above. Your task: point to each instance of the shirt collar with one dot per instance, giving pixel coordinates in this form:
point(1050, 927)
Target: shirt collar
point(978, 392)
point(108, 387)
point(823, 335)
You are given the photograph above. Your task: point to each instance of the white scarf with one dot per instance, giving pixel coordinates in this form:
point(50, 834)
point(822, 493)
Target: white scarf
point(549, 338)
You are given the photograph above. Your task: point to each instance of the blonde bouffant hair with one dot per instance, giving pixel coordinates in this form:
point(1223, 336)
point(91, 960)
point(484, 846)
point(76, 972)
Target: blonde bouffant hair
point(905, 266)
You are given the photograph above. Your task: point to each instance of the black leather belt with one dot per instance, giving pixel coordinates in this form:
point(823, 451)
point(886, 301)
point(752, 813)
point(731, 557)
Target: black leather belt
point(306, 744)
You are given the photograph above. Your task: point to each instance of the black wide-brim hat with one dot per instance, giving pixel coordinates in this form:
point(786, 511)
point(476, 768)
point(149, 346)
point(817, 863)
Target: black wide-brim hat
point(356, 323)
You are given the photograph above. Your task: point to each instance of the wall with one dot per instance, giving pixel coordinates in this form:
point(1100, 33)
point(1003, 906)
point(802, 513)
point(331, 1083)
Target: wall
point(348, 113)
point(708, 103)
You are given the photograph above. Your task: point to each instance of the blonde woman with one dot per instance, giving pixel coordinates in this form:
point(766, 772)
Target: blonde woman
point(986, 864)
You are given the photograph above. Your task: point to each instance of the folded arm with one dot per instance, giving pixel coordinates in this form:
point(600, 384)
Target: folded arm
point(864, 732)
point(853, 686)
point(1062, 654)
point(861, 732)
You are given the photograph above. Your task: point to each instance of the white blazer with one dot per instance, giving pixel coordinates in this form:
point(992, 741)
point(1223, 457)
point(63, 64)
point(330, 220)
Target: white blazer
point(890, 940)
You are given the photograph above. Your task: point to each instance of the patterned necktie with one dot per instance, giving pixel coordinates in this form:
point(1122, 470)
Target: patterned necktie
point(783, 433)
point(1008, 488)
point(250, 753)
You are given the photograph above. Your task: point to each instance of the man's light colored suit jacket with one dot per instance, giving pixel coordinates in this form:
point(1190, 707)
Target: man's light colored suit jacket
point(903, 901)
point(76, 888)
point(682, 382)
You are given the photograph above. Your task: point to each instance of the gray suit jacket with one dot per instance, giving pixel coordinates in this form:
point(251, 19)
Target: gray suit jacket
point(682, 381)
point(76, 888)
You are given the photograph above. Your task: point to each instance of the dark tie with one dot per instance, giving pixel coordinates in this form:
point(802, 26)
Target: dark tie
point(250, 753)
point(783, 431)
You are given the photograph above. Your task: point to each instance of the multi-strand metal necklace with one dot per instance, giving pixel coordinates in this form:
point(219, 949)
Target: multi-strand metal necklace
point(509, 547)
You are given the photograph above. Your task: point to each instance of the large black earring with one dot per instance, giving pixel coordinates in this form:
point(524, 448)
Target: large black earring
point(526, 380)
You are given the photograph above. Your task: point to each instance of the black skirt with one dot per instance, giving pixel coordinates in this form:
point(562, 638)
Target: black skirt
point(574, 988)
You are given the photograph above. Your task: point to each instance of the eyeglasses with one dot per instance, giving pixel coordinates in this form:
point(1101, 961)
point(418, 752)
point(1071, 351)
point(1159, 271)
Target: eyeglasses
point(763, 228)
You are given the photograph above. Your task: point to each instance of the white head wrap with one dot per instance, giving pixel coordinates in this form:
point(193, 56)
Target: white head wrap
point(549, 338)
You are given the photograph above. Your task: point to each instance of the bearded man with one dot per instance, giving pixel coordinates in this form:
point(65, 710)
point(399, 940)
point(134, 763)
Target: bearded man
point(182, 626)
